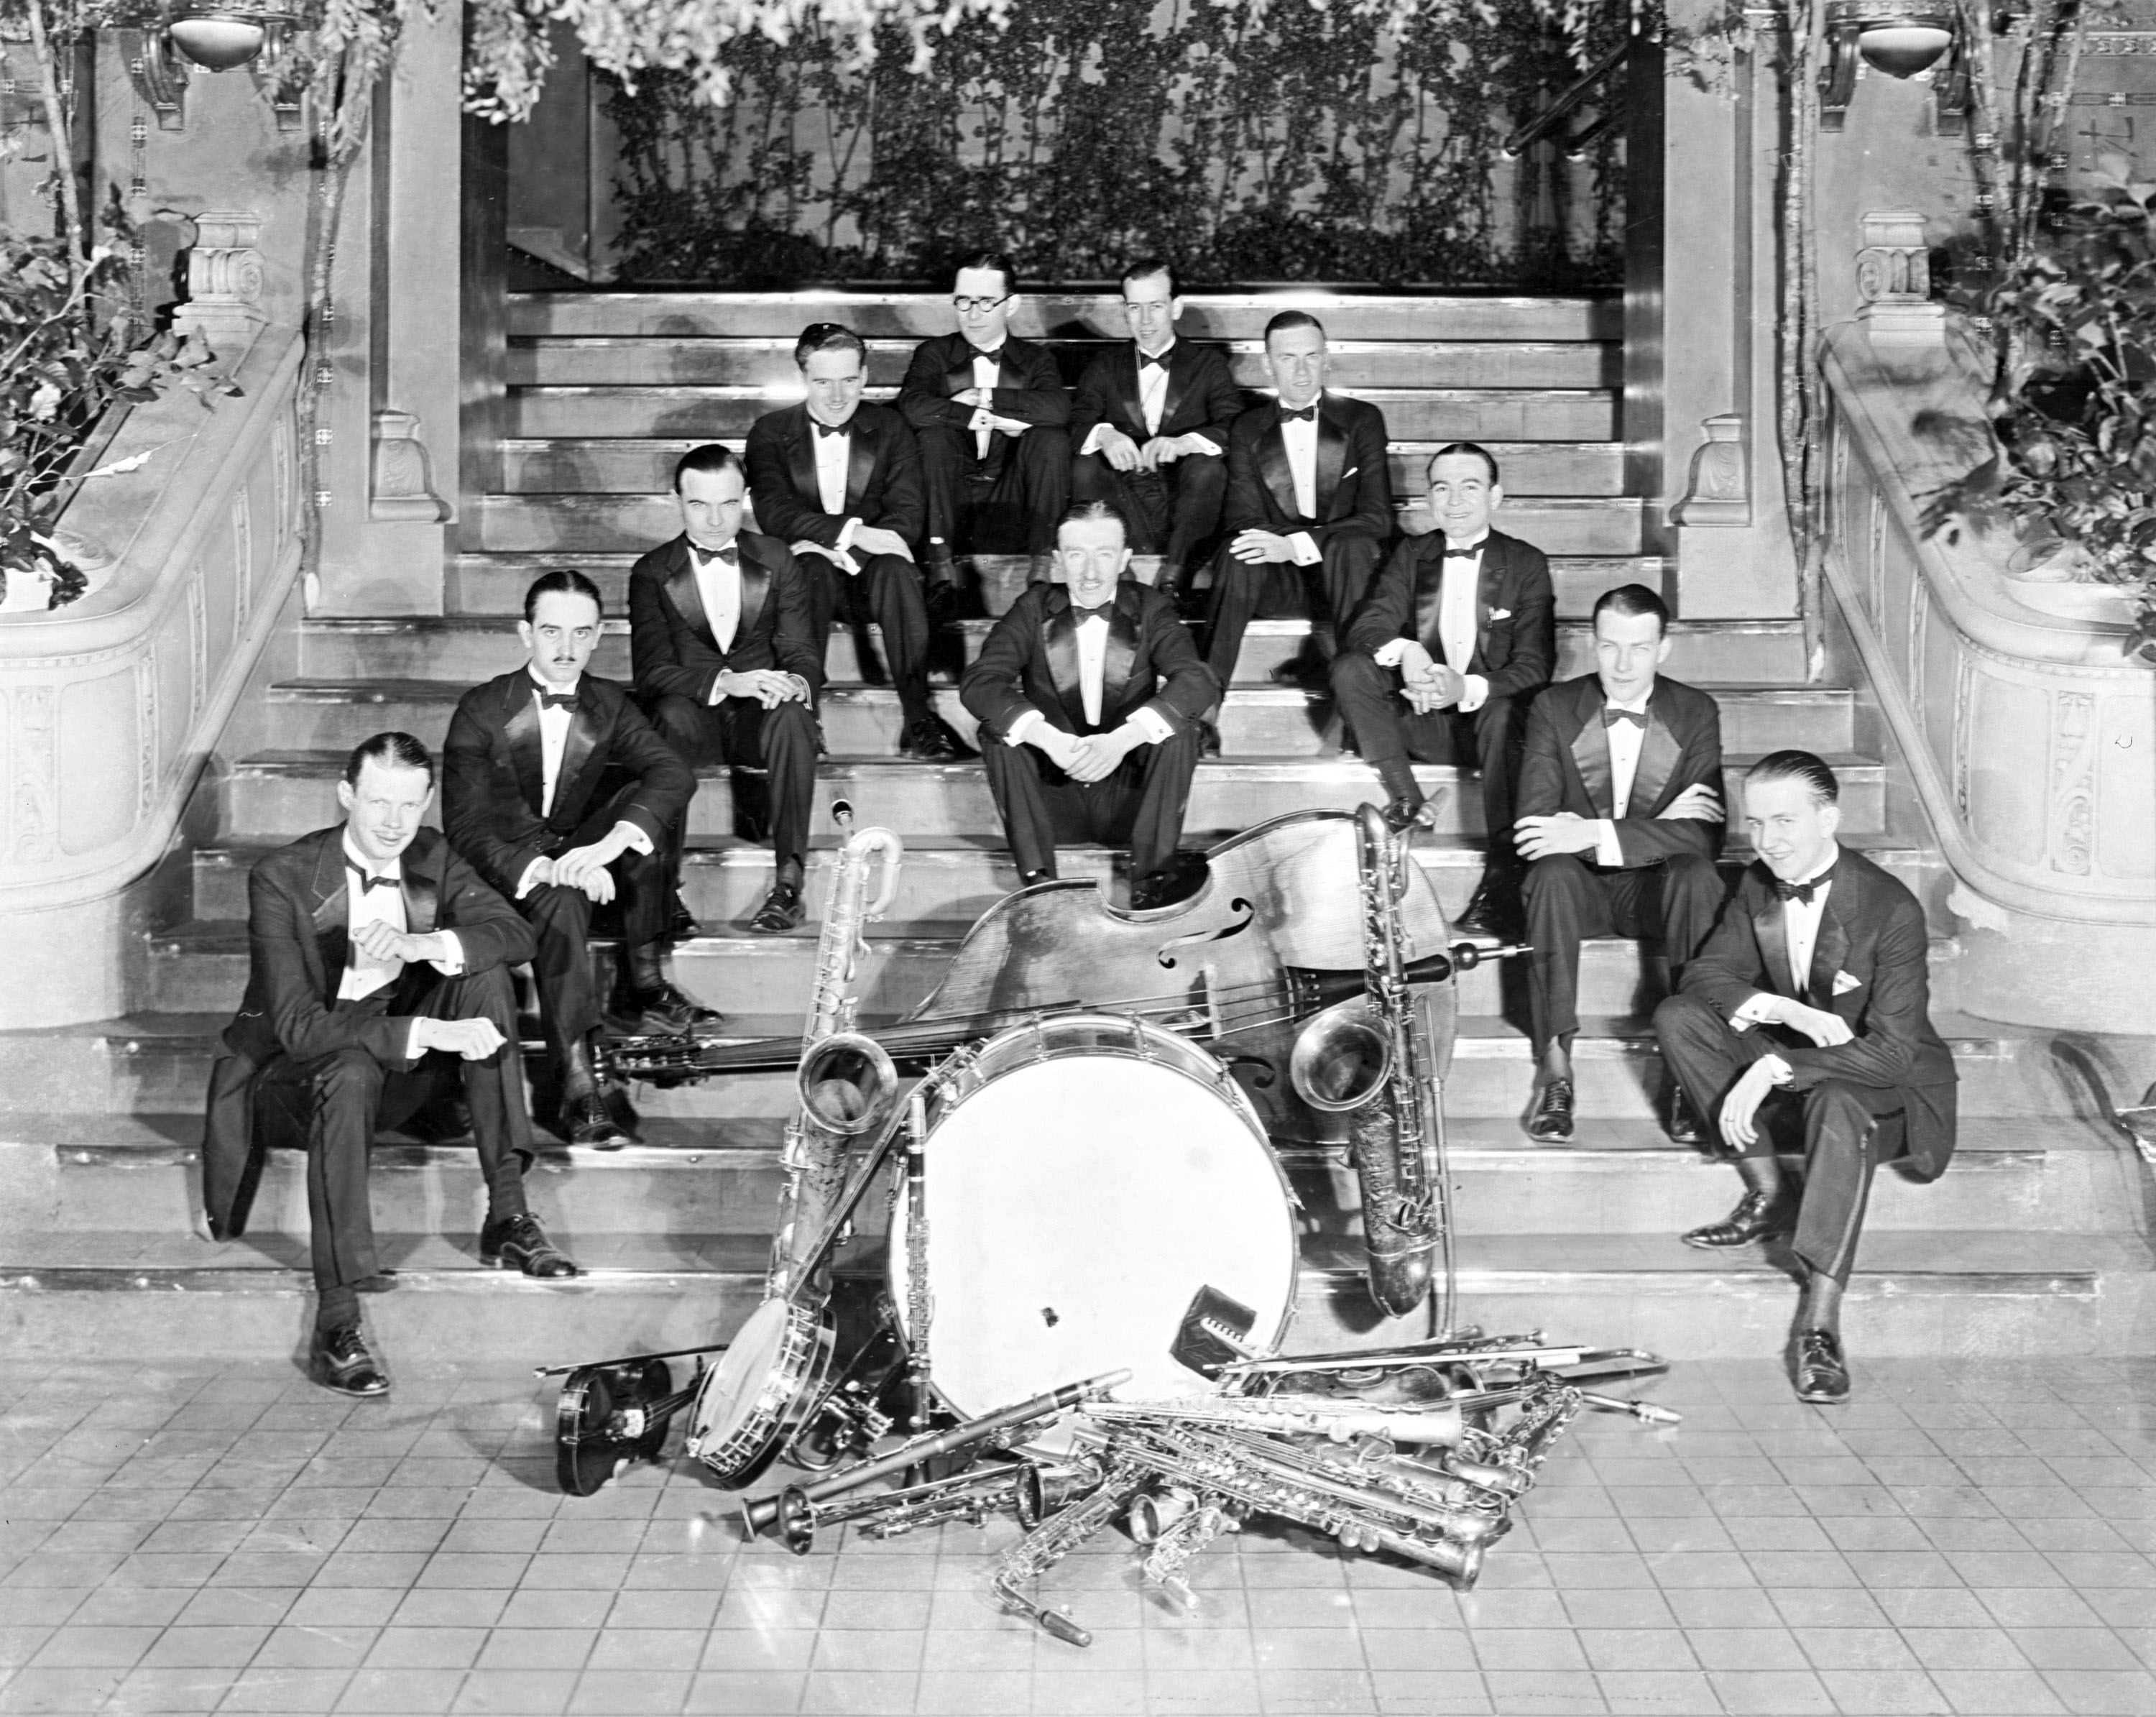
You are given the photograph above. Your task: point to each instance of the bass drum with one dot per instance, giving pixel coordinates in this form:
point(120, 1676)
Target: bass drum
point(1083, 1177)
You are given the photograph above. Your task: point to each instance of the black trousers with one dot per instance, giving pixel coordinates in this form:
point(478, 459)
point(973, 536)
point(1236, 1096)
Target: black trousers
point(1006, 503)
point(887, 590)
point(568, 999)
point(342, 1098)
point(1390, 734)
point(1172, 511)
point(740, 733)
point(1242, 592)
point(1843, 1129)
point(1568, 899)
point(1142, 803)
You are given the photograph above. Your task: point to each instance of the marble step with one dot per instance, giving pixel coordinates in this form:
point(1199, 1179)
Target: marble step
point(493, 585)
point(914, 314)
point(722, 1176)
point(630, 465)
point(571, 524)
point(1941, 1294)
point(767, 363)
point(953, 877)
point(718, 413)
point(288, 793)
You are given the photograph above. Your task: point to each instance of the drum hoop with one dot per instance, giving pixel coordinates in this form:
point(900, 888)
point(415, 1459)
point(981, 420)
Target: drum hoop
point(947, 1088)
point(782, 1393)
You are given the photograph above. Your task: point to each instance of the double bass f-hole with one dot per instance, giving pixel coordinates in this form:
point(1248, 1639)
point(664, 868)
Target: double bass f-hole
point(1244, 913)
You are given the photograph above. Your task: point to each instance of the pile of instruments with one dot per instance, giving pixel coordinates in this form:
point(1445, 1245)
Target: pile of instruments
point(1092, 1250)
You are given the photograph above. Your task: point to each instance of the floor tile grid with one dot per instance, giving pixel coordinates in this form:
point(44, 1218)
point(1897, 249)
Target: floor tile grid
point(427, 1572)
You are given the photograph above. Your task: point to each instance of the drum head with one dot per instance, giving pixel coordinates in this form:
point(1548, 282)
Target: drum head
point(1076, 1206)
point(771, 1368)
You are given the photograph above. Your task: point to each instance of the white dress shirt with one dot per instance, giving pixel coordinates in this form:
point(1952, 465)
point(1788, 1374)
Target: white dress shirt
point(363, 974)
point(1460, 584)
point(1153, 397)
point(1800, 928)
point(553, 738)
point(1624, 740)
point(720, 586)
point(1299, 435)
point(1092, 673)
point(986, 370)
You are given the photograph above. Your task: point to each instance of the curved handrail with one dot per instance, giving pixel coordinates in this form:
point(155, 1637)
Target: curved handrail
point(1574, 94)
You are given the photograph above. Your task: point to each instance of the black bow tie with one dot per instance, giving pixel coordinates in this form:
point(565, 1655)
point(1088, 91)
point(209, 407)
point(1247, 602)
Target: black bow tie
point(1082, 615)
point(557, 700)
point(727, 557)
point(368, 880)
point(1308, 414)
point(824, 428)
point(995, 357)
point(1802, 890)
point(1157, 358)
point(1611, 715)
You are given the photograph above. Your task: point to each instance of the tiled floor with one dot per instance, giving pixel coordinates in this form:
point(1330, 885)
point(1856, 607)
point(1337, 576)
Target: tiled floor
point(1964, 1538)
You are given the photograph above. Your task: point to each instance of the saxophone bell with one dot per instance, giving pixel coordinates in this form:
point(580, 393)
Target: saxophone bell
point(848, 1083)
point(1343, 1060)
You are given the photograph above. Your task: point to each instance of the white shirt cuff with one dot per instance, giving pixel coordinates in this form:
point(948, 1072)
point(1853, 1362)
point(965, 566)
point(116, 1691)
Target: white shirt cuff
point(717, 697)
point(638, 841)
point(1306, 552)
point(1757, 1011)
point(1387, 655)
point(412, 1049)
point(1092, 444)
point(846, 533)
point(451, 965)
point(1023, 728)
point(1194, 442)
point(982, 419)
point(1607, 850)
point(530, 881)
point(1779, 1070)
point(1475, 695)
point(1150, 725)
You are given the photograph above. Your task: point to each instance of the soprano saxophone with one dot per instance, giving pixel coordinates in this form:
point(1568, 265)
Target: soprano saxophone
point(1372, 1057)
point(846, 1082)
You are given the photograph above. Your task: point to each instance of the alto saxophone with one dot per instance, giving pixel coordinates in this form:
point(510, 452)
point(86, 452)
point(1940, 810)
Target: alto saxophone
point(1372, 1058)
point(846, 1082)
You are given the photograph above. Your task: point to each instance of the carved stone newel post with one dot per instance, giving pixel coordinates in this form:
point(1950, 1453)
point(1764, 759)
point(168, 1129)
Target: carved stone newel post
point(224, 283)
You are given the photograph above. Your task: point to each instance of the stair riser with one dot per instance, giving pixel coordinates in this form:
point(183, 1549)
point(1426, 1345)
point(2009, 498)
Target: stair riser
point(597, 1195)
point(916, 316)
point(1585, 415)
point(1682, 1316)
point(594, 467)
point(526, 524)
point(769, 365)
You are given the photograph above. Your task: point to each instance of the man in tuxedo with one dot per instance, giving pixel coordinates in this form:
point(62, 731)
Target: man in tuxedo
point(556, 789)
point(1151, 425)
point(1620, 819)
point(1441, 657)
point(726, 659)
point(1805, 1025)
point(1308, 492)
point(991, 415)
point(1089, 694)
point(378, 963)
point(840, 482)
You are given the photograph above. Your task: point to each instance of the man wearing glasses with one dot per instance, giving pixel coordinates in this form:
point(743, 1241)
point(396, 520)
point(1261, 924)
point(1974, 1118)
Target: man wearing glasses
point(1151, 424)
point(991, 413)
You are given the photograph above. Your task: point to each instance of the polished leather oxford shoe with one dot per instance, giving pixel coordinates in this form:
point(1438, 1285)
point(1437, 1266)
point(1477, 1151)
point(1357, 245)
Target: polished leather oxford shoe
point(1685, 1127)
point(1822, 1372)
point(932, 742)
point(1755, 1216)
point(341, 1360)
point(660, 1010)
point(586, 1120)
point(1209, 739)
point(519, 1243)
point(1494, 909)
point(1551, 1124)
point(781, 910)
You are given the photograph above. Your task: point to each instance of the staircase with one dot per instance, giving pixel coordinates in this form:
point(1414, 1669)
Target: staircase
point(2031, 1244)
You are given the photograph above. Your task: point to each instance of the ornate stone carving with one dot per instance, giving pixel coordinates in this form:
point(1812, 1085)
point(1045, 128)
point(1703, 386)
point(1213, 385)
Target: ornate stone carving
point(34, 760)
point(2067, 833)
point(1721, 492)
point(146, 730)
point(1894, 279)
point(243, 559)
point(197, 641)
point(224, 282)
point(403, 486)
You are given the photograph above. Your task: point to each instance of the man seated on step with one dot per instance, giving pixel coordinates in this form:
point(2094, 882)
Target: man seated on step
point(1620, 820)
point(559, 792)
point(726, 659)
point(1804, 1027)
point(1443, 656)
point(840, 481)
point(1309, 497)
point(1151, 425)
point(378, 967)
point(1089, 693)
point(992, 414)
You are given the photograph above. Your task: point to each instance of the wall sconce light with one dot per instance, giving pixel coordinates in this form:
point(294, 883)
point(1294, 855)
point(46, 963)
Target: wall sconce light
point(212, 35)
point(1902, 40)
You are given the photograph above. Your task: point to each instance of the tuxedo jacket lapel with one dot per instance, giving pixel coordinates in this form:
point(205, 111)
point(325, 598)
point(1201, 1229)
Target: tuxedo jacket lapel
point(1331, 460)
point(1429, 594)
point(1768, 925)
point(801, 461)
point(1122, 654)
point(578, 745)
point(1273, 466)
point(1059, 645)
point(1487, 584)
point(860, 463)
point(422, 895)
point(755, 587)
point(1830, 951)
point(687, 599)
point(1591, 755)
point(526, 751)
point(332, 916)
point(1179, 383)
point(1131, 395)
point(1658, 761)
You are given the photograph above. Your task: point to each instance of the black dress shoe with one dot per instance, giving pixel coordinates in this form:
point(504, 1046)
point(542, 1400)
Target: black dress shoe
point(1494, 908)
point(1822, 1372)
point(340, 1360)
point(1209, 739)
point(1684, 1124)
point(519, 1243)
point(1152, 889)
point(1403, 814)
point(445, 1121)
point(932, 742)
point(1756, 1217)
point(781, 910)
point(940, 596)
point(681, 925)
point(1031, 879)
point(1551, 1124)
point(660, 1010)
point(585, 1120)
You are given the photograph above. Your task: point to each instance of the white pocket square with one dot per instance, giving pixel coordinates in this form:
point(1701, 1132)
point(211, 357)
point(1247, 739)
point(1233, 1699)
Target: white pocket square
point(1500, 613)
point(1349, 472)
point(1843, 983)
